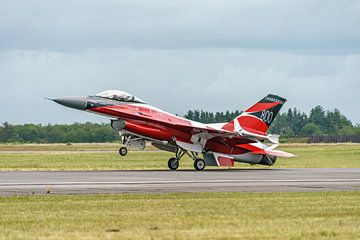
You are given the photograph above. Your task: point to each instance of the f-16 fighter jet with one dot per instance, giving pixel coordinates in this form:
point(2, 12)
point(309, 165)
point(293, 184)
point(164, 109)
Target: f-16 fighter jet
point(243, 139)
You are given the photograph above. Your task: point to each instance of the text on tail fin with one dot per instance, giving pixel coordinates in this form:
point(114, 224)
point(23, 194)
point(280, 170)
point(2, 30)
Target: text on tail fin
point(266, 109)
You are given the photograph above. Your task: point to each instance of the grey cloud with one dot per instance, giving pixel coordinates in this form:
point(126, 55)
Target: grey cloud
point(280, 24)
point(178, 55)
point(175, 80)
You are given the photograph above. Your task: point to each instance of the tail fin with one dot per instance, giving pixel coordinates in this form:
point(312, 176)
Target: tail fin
point(259, 117)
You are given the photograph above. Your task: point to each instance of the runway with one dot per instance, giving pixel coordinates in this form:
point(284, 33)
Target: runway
point(165, 181)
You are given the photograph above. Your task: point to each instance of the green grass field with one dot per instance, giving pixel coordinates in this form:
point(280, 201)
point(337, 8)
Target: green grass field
point(63, 147)
point(320, 215)
point(105, 156)
point(310, 215)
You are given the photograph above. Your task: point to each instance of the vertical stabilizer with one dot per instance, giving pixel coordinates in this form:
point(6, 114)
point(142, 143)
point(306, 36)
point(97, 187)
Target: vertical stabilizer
point(259, 117)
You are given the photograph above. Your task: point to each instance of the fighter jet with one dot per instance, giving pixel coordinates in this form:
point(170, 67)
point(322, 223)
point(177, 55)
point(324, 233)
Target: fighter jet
point(243, 139)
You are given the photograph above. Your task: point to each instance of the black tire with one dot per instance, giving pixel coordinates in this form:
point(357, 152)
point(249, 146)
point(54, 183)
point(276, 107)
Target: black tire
point(199, 164)
point(123, 151)
point(173, 164)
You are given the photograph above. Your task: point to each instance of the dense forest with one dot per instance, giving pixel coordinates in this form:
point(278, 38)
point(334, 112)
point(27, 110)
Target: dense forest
point(77, 132)
point(292, 123)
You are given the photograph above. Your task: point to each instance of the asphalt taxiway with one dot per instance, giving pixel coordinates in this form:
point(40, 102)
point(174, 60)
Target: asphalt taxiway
point(165, 181)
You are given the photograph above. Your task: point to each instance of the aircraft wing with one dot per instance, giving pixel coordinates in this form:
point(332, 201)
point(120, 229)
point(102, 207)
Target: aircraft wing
point(199, 137)
point(179, 123)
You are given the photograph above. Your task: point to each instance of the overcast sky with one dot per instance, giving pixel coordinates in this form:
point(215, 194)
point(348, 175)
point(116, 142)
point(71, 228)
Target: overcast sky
point(178, 55)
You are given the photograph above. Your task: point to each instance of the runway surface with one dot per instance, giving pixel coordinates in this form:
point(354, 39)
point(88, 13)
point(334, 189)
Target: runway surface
point(157, 181)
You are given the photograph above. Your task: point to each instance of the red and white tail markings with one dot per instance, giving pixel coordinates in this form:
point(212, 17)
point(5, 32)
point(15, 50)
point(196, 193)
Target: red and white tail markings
point(257, 119)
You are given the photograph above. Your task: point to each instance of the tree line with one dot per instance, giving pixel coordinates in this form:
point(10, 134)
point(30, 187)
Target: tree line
point(210, 117)
point(291, 123)
point(319, 122)
point(58, 133)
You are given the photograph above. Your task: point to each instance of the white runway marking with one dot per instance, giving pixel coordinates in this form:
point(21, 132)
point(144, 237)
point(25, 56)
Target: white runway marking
point(180, 182)
point(152, 181)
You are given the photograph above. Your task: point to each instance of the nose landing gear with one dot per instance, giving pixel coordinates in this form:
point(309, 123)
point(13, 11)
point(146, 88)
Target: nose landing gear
point(123, 151)
point(125, 140)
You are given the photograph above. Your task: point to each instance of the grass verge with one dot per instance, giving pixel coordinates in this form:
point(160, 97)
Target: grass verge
point(318, 215)
point(90, 157)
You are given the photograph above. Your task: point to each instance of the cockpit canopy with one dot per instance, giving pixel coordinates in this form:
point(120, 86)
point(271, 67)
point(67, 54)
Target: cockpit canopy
point(119, 96)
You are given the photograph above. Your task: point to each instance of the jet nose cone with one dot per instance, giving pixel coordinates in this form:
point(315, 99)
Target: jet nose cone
point(72, 102)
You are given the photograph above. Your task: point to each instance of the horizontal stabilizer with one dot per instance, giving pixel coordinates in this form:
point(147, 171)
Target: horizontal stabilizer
point(265, 151)
point(273, 138)
point(276, 153)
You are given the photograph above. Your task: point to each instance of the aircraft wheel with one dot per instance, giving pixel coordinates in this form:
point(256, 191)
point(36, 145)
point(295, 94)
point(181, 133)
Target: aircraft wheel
point(173, 163)
point(199, 164)
point(123, 151)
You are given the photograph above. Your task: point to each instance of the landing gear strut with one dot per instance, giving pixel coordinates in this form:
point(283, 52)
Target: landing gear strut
point(173, 163)
point(123, 150)
point(199, 164)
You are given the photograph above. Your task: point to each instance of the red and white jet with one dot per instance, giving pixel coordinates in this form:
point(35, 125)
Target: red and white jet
point(242, 139)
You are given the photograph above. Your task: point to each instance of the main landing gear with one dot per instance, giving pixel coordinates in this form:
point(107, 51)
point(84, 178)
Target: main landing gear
point(199, 164)
point(173, 163)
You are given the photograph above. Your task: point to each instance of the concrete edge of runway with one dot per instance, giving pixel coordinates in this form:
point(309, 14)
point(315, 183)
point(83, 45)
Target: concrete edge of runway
point(165, 181)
